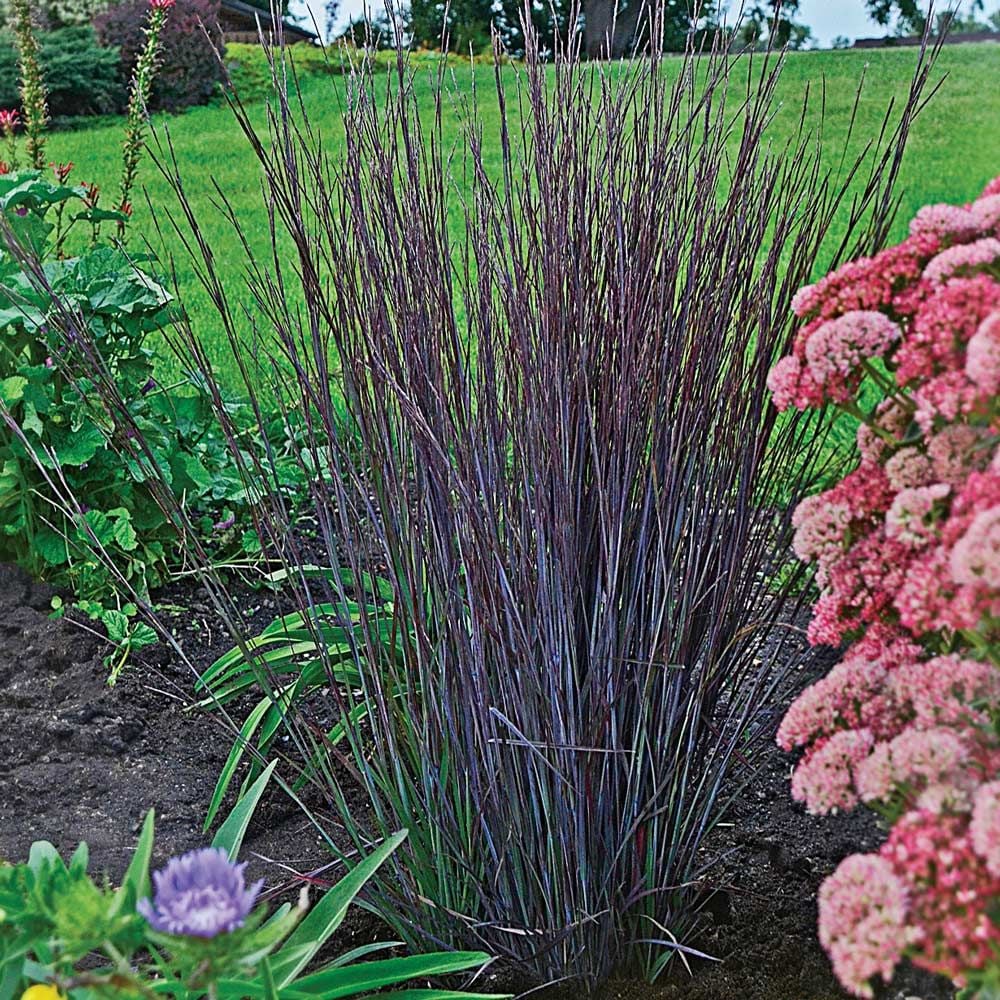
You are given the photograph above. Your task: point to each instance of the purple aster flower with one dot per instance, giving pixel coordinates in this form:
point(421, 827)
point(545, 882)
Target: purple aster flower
point(201, 894)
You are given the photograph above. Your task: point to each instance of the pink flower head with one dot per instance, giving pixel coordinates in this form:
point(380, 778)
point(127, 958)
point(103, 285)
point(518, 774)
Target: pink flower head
point(838, 347)
point(944, 398)
point(850, 696)
point(956, 451)
point(791, 385)
point(986, 214)
point(951, 893)
point(948, 222)
point(982, 359)
point(942, 326)
point(862, 921)
point(909, 467)
point(824, 779)
point(975, 558)
point(9, 120)
point(963, 260)
point(912, 517)
point(992, 188)
point(161, 4)
point(985, 825)
point(945, 691)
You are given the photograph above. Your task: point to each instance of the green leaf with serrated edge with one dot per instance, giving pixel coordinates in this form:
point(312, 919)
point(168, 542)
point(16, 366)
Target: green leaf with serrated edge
point(327, 915)
point(230, 835)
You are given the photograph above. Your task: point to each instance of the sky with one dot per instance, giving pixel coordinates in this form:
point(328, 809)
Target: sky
point(827, 18)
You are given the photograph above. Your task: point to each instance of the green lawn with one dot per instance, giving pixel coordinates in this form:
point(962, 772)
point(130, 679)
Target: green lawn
point(954, 149)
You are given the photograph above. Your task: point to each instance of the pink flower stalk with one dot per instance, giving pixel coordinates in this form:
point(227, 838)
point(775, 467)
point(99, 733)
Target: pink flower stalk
point(34, 97)
point(982, 360)
point(138, 99)
point(985, 826)
point(862, 921)
point(963, 260)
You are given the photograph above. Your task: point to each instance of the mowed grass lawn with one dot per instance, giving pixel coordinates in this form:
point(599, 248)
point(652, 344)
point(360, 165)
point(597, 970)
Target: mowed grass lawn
point(953, 151)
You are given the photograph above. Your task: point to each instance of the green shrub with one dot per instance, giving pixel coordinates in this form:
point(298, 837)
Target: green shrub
point(82, 77)
point(250, 74)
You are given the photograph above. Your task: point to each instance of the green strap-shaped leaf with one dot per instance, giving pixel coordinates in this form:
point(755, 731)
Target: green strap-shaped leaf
point(136, 885)
point(326, 916)
point(230, 835)
point(233, 760)
point(367, 977)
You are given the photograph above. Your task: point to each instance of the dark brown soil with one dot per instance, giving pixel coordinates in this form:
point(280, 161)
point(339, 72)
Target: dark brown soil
point(82, 761)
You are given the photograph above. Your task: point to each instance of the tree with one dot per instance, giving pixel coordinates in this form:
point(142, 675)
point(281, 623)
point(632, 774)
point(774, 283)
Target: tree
point(615, 29)
point(771, 24)
point(910, 18)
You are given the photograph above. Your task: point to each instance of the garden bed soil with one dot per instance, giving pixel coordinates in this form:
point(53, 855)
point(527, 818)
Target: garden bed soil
point(84, 761)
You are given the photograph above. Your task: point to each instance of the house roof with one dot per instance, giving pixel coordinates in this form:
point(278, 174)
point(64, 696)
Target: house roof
point(257, 15)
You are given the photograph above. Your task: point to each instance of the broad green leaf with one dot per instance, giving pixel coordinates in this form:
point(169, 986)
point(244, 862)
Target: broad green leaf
point(12, 389)
point(50, 546)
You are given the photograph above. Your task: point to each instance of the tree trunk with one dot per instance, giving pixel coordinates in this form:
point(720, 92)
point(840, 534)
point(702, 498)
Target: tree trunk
point(609, 27)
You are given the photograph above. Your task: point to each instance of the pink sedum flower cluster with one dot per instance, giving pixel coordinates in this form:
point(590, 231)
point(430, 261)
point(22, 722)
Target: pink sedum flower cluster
point(907, 556)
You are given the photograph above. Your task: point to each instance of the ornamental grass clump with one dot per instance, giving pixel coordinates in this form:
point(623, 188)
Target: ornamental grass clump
point(551, 436)
point(907, 556)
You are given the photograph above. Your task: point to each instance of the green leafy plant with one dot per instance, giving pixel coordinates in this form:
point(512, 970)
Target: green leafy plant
point(55, 435)
point(296, 656)
point(53, 915)
point(123, 632)
point(60, 441)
